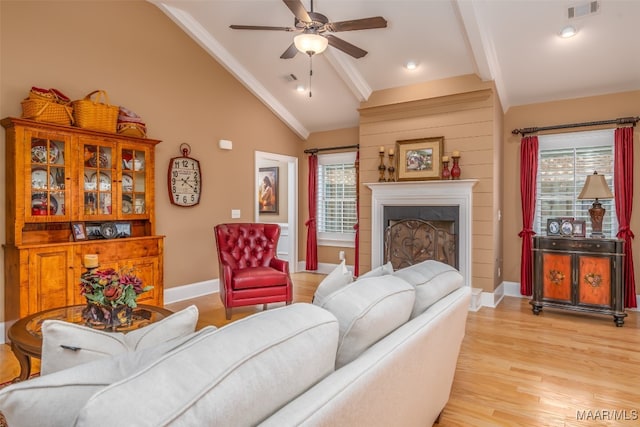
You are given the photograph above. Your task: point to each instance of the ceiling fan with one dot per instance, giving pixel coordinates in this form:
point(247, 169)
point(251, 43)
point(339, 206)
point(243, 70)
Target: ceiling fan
point(314, 28)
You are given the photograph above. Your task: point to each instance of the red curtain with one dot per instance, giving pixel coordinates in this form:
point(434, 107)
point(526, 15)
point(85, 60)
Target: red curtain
point(623, 188)
point(311, 262)
point(356, 267)
point(528, 174)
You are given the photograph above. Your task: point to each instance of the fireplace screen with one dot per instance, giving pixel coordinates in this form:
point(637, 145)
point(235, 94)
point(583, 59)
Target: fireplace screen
point(410, 241)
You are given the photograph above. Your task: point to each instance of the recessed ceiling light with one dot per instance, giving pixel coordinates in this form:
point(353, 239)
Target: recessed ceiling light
point(300, 88)
point(411, 65)
point(568, 31)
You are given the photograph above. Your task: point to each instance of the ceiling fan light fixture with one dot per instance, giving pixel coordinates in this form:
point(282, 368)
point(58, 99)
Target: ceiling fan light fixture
point(568, 31)
point(310, 43)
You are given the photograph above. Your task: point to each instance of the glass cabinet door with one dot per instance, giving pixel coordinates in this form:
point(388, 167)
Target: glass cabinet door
point(133, 194)
point(98, 175)
point(47, 177)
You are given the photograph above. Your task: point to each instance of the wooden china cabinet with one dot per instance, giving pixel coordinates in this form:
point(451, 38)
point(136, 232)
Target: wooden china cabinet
point(61, 178)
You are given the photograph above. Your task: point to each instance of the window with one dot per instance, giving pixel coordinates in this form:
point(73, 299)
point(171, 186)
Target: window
point(564, 161)
point(336, 195)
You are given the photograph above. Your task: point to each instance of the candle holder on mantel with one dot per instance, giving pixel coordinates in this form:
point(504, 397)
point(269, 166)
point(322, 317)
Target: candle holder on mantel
point(382, 167)
point(391, 168)
point(455, 169)
point(446, 174)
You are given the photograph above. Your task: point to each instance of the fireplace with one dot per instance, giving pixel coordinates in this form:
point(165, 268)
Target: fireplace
point(413, 234)
point(430, 202)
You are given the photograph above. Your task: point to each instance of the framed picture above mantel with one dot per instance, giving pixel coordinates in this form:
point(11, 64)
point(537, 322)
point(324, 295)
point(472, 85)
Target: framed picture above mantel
point(419, 159)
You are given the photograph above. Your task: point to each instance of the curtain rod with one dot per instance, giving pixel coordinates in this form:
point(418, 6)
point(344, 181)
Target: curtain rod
point(344, 147)
point(620, 121)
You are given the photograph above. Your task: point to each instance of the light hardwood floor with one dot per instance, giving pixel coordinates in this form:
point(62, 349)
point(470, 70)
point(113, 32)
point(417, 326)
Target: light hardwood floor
point(515, 368)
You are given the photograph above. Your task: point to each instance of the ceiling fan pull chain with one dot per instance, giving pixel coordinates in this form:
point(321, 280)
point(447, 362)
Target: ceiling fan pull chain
point(310, 73)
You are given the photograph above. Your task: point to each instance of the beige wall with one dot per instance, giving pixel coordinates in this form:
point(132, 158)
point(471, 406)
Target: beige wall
point(146, 63)
point(466, 112)
point(548, 114)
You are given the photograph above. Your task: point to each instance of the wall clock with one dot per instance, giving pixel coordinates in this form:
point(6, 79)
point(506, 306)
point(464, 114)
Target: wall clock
point(184, 179)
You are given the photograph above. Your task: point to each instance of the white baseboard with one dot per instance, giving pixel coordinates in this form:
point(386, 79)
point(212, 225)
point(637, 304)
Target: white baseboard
point(323, 268)
point(194, 290)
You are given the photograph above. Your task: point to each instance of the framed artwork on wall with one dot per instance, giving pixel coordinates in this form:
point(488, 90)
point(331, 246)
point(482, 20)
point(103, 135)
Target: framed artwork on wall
point(419, 159)
point(268, 190)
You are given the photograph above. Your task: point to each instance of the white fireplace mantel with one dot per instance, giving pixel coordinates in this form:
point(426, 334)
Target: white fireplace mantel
point(424, 193)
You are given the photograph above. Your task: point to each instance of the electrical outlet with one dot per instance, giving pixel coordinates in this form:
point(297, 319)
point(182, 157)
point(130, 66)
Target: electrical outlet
point(341, 255)
point(235, 213)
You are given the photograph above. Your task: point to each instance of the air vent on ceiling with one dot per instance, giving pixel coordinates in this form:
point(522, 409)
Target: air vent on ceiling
point(583, 9)
point(290, 77)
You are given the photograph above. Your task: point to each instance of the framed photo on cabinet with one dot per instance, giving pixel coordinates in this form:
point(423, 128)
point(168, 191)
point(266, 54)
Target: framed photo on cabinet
point(78, 231)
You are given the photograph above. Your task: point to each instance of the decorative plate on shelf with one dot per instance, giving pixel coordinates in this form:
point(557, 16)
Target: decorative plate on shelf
point(39, 204)
point(102, 159)
point(127, 206)
point(39, 152)
point(127, 182)
point(108, 230)
point(39, 179)
point(105, 181)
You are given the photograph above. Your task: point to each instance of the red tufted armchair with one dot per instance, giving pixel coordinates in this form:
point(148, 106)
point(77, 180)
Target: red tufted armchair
point(250, 273)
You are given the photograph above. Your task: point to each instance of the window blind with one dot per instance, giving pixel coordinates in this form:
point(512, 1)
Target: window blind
point(562, 172)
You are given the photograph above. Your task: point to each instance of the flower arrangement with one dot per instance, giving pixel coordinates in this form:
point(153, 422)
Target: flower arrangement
point(111, 288)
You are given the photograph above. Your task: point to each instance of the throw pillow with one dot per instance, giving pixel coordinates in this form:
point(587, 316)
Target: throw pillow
point(56, 399)
point(338, 278)
point(433, 281)
point(67, 344)
point(274, 356)
point(378, 271)
point(367, 310)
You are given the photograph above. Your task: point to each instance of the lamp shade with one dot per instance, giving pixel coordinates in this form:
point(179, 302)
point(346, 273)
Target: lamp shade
point(310, 43)
point(595, 187)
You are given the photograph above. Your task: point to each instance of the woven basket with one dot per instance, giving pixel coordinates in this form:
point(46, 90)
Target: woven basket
point(42, 110)
point(132, 129)
point(92, 114)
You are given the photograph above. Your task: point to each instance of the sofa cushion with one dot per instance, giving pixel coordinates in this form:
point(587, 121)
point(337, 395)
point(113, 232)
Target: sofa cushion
point(337, 279)
point(238, 375)
point(55, 399)
point(67, 344)
point(378, 271)
point(433, 280)
point(367, 310)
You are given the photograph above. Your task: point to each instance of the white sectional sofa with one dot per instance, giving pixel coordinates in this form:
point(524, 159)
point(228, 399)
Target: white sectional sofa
point(380, 351)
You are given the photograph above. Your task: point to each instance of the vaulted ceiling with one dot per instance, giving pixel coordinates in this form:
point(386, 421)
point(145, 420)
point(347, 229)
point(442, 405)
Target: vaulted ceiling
point(515, 43)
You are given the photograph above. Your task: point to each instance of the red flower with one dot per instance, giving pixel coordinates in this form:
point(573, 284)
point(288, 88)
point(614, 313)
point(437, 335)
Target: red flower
point(112, 292)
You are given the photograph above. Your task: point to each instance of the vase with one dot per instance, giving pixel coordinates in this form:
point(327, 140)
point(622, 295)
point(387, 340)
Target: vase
point(107, 317)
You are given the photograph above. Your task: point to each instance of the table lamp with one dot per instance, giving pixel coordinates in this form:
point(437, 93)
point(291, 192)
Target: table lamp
point(595, 187)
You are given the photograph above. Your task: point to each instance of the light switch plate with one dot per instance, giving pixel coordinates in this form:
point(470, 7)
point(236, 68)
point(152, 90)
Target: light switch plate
point(235, 213)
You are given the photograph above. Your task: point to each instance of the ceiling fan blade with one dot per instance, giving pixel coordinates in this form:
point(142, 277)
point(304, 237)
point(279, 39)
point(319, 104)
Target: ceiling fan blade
point(290, 52)
point(357, 24)
point(259, 27)
point(346, 47)
point(298, 10)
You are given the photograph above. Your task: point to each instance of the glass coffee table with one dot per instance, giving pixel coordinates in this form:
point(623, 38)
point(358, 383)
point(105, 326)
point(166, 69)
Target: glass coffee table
point(26, 334)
